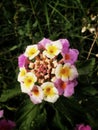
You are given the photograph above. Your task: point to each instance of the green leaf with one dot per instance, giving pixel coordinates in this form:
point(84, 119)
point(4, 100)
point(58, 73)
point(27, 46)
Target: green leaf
point(26, 115)
point(40, 121)
point(9, 93)
point(92, 121)
point(70, 110)
point(13, 48)
point(86, 67)
point(90, 91)
point(58, 122)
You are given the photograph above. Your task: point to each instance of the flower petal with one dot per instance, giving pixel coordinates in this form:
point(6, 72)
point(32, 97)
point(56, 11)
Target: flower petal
point(1, 113)
point(65, 45)
point(22, 61)
point(43, 42)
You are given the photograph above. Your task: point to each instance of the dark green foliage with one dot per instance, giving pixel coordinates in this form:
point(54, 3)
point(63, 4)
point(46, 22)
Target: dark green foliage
point(26, 22)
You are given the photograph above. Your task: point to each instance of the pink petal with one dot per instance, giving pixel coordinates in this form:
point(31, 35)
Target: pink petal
point(43, 42)
point(1, 113)
point(58, 84)
point(82, 127)
point(65, 44)
point(7, 124)
point(22, 61)
point(69, 91)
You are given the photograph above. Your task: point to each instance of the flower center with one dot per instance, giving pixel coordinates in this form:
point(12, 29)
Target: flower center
point(63, 85)
point(65, 71)
point(52, 49)
point(67, 56)
point(28, 81)
point(48, 91)
point(43, 68)
point(35, 91)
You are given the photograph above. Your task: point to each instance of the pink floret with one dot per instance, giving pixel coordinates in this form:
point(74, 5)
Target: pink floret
point(7, 124)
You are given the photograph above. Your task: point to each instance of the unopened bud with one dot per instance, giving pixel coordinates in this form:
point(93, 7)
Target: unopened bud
point(97, 55)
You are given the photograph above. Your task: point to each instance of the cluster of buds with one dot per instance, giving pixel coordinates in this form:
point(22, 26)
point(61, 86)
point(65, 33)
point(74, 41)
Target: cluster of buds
point(47, 70)
point(90, 25)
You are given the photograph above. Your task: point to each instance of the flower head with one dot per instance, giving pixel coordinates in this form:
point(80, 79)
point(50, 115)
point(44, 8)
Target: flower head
point(48, 70)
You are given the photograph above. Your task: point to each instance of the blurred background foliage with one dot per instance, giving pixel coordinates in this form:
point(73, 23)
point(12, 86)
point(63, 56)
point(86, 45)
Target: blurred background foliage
point(24, 22)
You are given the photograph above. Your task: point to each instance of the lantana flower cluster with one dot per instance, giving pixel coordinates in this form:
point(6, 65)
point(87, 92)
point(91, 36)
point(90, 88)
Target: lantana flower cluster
point(47, 70)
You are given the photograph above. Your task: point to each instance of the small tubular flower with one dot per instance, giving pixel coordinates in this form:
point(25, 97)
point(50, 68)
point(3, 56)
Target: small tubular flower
point(36, 94)
point(66, 72)
point(31, 51)
point(28, 82)
point(53, 49)
point(50, 92)
point(60, 85)
point(70, 56)
point(65, 88)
